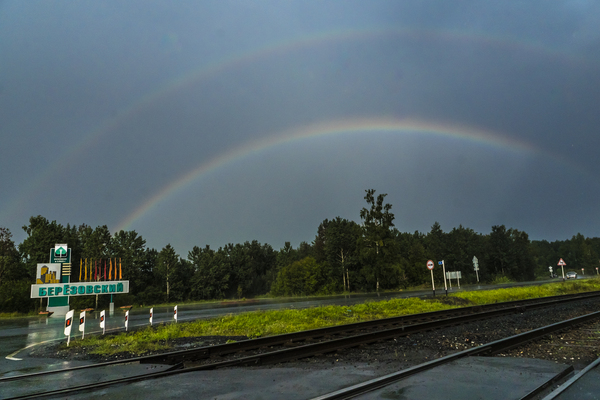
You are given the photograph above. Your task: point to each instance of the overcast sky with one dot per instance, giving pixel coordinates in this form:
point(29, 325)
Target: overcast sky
point(215, 122)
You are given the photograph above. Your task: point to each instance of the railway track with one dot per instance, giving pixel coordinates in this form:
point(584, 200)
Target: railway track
point(582, 386)
point(360, 333)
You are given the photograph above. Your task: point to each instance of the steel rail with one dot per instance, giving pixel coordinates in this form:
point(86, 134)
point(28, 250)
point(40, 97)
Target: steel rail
point(180, 356)
point(483, 350)
point(556, 378)
point(304, 351)
point(571, 382)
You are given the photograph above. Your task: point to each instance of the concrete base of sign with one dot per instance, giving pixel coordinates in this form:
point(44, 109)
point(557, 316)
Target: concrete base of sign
point(111, 309)
point(59, 311)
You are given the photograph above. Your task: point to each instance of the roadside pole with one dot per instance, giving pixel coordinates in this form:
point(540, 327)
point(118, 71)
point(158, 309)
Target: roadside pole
point(562, 265)
point(444, 273)
point(476, 266)
point(430, 266)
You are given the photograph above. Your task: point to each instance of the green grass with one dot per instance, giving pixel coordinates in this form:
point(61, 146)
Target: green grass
point(253, 325)
point(530, 292)
point(267, 323)
point(16, 314)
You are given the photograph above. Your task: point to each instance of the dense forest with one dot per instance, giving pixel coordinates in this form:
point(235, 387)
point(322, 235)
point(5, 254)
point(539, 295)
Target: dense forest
point(344, 256)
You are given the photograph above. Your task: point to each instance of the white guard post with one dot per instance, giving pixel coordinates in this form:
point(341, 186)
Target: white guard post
point(68, 324)
point(151, 314)
point(126, 320)
point(82, 324)
point(102, 322)
point(175, 313)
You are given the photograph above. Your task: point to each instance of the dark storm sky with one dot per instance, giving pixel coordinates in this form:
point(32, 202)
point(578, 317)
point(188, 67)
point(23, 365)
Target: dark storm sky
point(209, 122)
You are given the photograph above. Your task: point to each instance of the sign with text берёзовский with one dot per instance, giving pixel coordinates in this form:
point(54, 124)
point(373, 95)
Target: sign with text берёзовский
point(79, 289)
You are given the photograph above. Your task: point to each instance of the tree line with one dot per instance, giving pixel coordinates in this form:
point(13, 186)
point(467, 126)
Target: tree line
point(344, 256)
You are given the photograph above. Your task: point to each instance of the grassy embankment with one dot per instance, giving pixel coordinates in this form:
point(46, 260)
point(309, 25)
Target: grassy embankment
point(267, 323)
point(17, 314)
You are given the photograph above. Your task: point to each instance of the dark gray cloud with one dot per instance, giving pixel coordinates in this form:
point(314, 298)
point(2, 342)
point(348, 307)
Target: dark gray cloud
point(104, 105)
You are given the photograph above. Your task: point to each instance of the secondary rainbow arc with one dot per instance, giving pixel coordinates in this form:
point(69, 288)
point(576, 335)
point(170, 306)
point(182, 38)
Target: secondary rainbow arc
point(240, 58)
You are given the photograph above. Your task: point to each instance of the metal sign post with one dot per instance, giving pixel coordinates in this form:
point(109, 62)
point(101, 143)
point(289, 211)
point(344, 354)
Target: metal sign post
point(430, 266)
point(562, 265)
point(444, 273)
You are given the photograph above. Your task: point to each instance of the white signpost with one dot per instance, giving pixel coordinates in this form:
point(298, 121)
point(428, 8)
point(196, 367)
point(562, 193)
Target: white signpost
point(476, 266)
point(454, 274)
point(151, 314)
point(68, 325)
point(126, 320)
point(430, 266)
point(550, 268)
point(175, 313)
point(562, 265)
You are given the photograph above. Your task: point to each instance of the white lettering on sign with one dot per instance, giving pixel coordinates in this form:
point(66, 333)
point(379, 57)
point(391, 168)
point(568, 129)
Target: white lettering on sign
point(78, 289)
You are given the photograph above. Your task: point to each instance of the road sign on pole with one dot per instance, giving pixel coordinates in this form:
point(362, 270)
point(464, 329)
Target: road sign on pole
point(444, 273)
point(562, 265)
point(430, 266)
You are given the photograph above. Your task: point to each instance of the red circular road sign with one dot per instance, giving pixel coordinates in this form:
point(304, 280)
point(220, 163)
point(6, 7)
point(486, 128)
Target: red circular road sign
point(430, 264)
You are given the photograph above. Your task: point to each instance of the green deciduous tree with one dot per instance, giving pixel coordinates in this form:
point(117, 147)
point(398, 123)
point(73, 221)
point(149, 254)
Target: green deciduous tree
point(130, 249)
point(11, 268)
point(42, 236)
point(304, 277)
point(377, 245)
point(212, 273)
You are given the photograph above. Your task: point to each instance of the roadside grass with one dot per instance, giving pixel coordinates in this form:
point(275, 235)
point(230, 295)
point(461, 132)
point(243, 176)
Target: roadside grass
point(529, 292)
point(17, 314)
point(253, 325)
point(268, 323)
